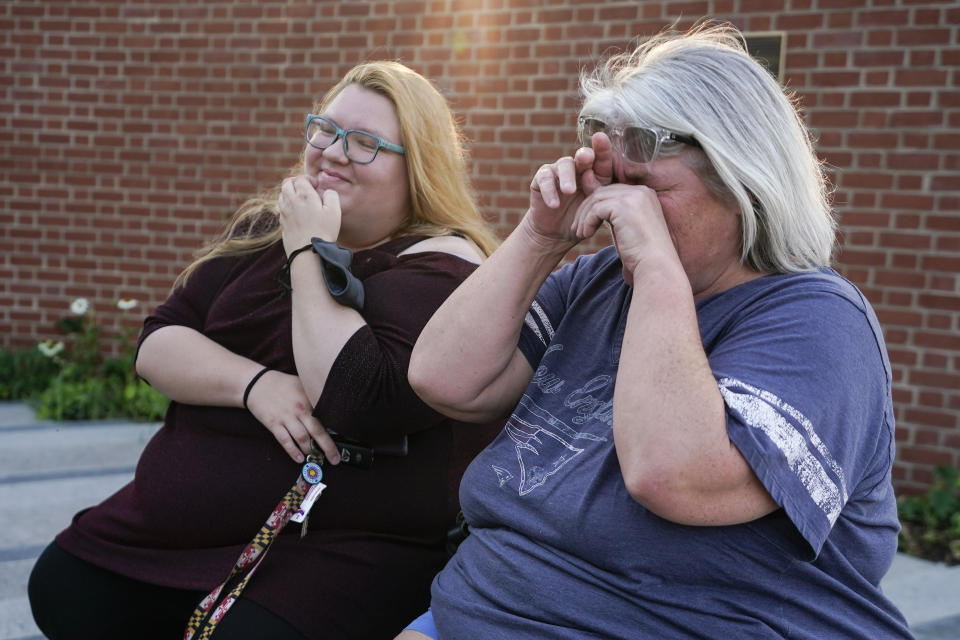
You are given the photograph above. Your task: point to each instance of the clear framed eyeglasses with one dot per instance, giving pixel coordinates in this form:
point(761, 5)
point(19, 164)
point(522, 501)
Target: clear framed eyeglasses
point(638, 143)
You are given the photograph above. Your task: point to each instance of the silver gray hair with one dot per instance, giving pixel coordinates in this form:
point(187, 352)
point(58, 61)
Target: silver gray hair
point(703, 83)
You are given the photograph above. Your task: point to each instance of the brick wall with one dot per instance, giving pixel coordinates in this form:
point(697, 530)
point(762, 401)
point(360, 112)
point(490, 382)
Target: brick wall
point(131, 129)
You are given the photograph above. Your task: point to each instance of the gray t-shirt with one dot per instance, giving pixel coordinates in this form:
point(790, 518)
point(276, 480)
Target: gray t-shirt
point(558, 548)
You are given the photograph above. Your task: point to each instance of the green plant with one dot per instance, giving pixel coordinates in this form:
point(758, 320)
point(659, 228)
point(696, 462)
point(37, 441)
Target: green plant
point(89, 384)
point(143, 401)
point(25, 373)
point(931, 521)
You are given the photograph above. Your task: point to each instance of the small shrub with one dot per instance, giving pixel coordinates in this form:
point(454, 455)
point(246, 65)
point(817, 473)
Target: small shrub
point(931, 521)
point(66, 399)
point(99, 398)
point(75, 380)
point(25, 373)
point(143, 402)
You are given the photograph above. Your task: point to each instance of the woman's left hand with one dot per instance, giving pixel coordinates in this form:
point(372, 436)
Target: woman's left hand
point(280, 403)
point(306, 214)
point(636, 221)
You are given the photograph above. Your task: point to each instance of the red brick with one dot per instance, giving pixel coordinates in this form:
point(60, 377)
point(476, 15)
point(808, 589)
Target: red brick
point(839, 20)
point(937, 419)
point(836, 79)
point(834, 119)
point(616, 13)
point(909, 182)
point(951, 442)
point(913, 161)
point(788, 22)
point(926, 437)
point(878, 58)
point(759, 6)
point(894, 18)
point(946, 341)
point(876, 99)
point(923, 37)
point(916, 118)
point(863, 258)
point(928, 456)
point(872, 180)
point(899, 318)
point(901, 356)
point(905, 241)
point(945, 182)
point(945, 302)
point(906, 201)
point(838, 39)
point(919, 99)
point(922, 57)
point(921, 77)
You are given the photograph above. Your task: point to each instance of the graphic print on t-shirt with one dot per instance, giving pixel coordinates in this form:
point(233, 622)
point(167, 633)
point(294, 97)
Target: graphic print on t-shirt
point(544, 444)
point(806, 454)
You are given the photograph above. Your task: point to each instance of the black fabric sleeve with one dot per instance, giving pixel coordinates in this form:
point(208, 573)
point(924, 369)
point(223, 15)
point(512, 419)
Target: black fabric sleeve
point(367, 395)
point(188, 305)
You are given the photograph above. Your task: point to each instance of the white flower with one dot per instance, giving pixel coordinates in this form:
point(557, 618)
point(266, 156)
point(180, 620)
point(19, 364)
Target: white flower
point(125, 304)
point(50, 348)
point(79, 306)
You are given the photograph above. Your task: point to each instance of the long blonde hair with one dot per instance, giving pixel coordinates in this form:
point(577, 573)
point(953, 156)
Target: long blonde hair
point(441, 198)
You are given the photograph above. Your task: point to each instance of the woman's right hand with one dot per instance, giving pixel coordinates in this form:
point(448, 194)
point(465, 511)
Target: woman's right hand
point(305, 213)
point(558, 189)
point(279, 402)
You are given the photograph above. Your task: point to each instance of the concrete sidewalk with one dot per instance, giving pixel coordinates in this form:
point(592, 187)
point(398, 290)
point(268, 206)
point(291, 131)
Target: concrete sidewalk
point(49, 471)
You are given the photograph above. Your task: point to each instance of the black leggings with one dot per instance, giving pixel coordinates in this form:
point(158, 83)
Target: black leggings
point(73, 599)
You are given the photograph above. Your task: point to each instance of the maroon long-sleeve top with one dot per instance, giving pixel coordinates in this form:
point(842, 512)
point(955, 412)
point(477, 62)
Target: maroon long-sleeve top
point(210, 476)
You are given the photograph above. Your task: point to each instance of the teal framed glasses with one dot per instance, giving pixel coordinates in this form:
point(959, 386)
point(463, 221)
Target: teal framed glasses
point(359, 146)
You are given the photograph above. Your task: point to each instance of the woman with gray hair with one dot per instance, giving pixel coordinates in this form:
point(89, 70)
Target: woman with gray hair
point(700, 431)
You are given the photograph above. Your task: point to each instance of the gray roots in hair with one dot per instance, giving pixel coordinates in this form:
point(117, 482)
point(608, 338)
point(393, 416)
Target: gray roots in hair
point(759, 152)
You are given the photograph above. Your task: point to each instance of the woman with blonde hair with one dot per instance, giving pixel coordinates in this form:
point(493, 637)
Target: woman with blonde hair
point(284, 350)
